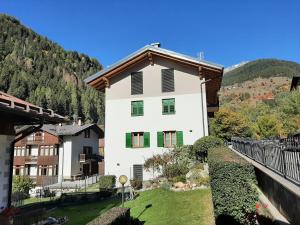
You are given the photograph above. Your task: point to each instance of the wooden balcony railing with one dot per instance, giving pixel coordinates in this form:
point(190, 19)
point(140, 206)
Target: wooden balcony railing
point(33, 140)
point(85, 157)
point(31, 159)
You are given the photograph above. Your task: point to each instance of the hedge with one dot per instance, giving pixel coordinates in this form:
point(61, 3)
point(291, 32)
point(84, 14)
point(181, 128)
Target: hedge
point(115, 216)
point(107, 182)
point(202, 145)
point(233, 187)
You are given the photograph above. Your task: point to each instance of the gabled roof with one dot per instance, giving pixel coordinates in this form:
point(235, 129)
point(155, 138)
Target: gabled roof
point(156, 51)
point(67, 130)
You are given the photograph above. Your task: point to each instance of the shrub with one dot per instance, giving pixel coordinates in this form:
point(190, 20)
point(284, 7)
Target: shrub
point(115, 216)
point(175, 170)
point(136, 184)
point(202, 145)
point(22, 184)
point(232, 183)
point(181, 178)
point(166, 186)
point(107, 182)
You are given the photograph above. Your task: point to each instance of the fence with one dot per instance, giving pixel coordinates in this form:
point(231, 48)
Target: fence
point(281, 156)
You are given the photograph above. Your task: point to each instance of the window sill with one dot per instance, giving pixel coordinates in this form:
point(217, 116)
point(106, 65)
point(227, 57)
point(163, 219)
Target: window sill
point(136, 115)
point(169, 113)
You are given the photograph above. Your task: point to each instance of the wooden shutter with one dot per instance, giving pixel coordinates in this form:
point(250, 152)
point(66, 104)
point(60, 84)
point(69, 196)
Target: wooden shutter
point(160, 139)
point(146, 139)
point(179, 138)
point(140, 106)
point(136, 83)
point(138, 172)
point(167, 80)
point(128, 140)
point(134, 109)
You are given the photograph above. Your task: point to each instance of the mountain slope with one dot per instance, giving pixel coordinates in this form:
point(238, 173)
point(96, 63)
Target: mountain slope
point(264, 68)
point(38, 70)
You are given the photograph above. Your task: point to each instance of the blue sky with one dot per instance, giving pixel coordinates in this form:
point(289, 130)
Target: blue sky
point(227, 31)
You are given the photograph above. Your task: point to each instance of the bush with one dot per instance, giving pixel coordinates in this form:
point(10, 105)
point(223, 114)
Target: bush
point(232, 183)
point(202, 145)
point(115, 216)
point(175, 170)
point(136, 184)
point(181, 178)
point(22, 184)
point(107, 182)
point(166, 186)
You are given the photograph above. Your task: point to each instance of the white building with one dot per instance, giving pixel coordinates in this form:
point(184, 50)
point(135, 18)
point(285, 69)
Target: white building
point(155, 99)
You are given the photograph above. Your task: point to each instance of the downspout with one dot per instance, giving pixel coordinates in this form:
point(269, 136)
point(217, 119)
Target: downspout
point(202, 105)
point(11, 158)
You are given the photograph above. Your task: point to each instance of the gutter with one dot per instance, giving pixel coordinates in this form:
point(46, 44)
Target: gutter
point(202, 106)
point(11, 157)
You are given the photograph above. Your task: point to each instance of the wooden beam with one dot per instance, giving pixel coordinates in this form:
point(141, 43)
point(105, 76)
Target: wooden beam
point(106, 81)
point(200, 72)
point(150, 58)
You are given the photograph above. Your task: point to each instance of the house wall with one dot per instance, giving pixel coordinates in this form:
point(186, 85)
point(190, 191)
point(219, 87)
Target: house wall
point(72, 146)
point(190, 116)
point(5, 141)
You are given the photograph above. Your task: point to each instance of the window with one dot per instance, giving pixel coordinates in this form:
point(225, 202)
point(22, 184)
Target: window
point(168, 106)
point(169, 139)
point(87, 133)
point(137, 108)
point(138, 172)
point(17, 171)
point(43, 170)
point(87, 150)
point(167, 80)
point(137, 83)
point(138, 140)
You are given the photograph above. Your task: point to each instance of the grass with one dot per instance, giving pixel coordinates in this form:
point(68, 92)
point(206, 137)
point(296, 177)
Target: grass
point(83, 213)
point(34, 200)
point(155, 207)
point(174, 208)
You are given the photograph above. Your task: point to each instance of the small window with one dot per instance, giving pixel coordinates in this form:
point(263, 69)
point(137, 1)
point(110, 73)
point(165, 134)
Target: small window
point(168, 106)
point(43, 170)
point(17, 171)
point(137, 83)
point(169, 139)
point(167, 80)
point(87, 133)
point(138, 172)
point(87, 150)
point(137, 108)
point(138, 140)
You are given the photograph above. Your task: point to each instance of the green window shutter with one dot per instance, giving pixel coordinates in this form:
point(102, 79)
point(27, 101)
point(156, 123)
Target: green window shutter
point(179, 138)
point(140, 108)
point(146, 139)
point(128, 140)
point(160, 139)
point(172, 106)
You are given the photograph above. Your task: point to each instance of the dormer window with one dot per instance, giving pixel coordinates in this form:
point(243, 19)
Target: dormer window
point(137, 83)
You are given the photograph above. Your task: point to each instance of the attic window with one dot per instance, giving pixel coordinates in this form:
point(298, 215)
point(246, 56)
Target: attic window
point(137, 83)
point(167, 80)
point(87, 133)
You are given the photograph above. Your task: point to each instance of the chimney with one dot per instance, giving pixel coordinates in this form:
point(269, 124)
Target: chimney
point(79, 121)
point(156, 44)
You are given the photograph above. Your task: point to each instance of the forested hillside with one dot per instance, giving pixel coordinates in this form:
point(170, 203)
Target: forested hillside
point(38, 70)
point(264, 68)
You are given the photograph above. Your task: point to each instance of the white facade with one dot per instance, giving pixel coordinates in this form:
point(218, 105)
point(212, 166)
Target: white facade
point(5, 145)
point(190, 116)
point(70, 150)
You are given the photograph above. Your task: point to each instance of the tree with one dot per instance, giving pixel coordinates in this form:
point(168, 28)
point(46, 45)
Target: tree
point(227, 124)
point(269, 126)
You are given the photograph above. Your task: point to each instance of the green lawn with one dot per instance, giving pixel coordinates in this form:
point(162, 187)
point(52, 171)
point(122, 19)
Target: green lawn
point(83, 213)
point(173, 208)
point(164, 208)
point(34, 200)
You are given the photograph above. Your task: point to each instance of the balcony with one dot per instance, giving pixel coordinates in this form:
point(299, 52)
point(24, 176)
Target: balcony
point(33, 140)
point(83, 158)
point(31, 159)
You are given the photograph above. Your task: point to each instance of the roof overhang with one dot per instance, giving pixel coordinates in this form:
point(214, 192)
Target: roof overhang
point(100, 80)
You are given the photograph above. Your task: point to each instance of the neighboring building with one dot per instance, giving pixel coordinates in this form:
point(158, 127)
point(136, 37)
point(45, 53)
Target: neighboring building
point(58, 151)
point(13, 112)
point(154, 99)
point(295, 85)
